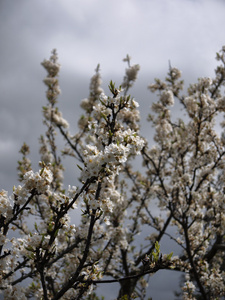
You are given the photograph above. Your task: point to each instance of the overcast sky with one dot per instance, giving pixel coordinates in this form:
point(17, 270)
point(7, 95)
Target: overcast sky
point(85, 33)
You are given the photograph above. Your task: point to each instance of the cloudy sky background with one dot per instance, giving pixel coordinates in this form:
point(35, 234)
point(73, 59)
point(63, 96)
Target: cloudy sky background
point(85, 33)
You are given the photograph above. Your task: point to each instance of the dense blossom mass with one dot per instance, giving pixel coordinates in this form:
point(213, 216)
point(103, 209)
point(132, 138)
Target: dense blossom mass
point(60, 242)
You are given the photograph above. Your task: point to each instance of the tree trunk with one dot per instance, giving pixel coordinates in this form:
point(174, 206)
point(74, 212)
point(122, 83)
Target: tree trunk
point(127, 288)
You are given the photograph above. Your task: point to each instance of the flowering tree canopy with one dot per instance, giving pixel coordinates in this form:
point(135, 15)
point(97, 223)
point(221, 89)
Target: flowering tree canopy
point(183, 174)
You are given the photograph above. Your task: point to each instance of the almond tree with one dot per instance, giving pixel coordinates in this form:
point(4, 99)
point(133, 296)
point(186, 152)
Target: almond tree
point(62, 258)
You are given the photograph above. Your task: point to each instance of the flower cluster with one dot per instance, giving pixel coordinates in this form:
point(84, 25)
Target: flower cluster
point(55, 116)
point(52, 67)
point(113, 155)
point(40, 181)
point(131, 74)
point(5, 205)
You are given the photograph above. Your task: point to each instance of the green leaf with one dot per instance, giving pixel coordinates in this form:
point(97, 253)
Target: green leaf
point(80, 167)
point(104, 116)
point(110, 133)
point(56, 232)
point(35, 226)
point(169, 256)
point(29, 248)
point(157, 246)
